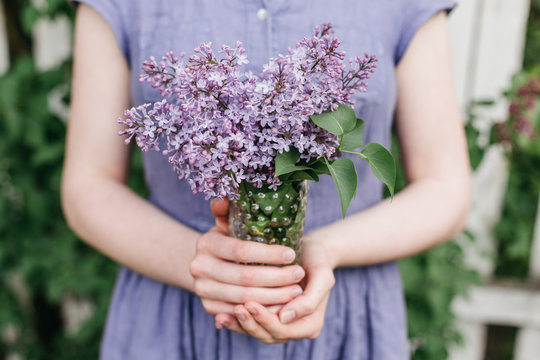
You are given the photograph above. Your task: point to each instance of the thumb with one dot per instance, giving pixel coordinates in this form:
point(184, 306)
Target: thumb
point(316, 292)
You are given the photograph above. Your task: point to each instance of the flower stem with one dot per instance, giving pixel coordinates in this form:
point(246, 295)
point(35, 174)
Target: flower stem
point(362, 156)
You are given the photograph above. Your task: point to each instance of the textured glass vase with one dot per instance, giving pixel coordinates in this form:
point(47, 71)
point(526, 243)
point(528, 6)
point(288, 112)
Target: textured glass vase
point(270, 216)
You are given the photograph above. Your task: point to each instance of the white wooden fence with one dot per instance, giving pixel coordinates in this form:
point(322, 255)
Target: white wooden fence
point(488, 39)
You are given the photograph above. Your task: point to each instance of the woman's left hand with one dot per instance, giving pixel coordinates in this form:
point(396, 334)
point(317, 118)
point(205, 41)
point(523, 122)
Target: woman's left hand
point(302, 317)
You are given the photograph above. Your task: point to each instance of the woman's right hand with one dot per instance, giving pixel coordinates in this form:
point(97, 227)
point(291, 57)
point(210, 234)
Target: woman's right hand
point(222, 281)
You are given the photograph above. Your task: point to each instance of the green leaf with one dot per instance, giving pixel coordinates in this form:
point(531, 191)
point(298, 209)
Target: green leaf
point(382, 164)
point(286, 162)
point(338, 122)
point(353, 139)
point(346, 180)
point(319, 167)
point(304, 175)
point(258, 226)
point(267, 199)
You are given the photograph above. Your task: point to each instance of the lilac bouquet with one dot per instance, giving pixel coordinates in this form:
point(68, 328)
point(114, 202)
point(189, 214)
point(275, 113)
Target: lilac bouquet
point(255, 139)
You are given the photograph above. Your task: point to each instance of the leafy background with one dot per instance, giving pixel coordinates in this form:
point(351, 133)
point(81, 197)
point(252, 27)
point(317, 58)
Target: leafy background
point(45, 270)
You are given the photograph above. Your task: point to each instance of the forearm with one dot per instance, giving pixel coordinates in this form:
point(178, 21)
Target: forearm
point(110, 217)
point(434, 207)
point(423, 215)
point(98, 205)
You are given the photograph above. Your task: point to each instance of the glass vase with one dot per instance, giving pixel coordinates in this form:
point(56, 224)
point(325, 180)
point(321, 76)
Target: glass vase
point(270, 216)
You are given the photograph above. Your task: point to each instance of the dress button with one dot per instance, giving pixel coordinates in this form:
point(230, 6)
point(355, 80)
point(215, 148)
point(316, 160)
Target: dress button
point(262, 14)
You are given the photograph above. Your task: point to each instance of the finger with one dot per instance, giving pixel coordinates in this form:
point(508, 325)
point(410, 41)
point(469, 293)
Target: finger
point(251, 326)
point(318, 286)
point(246, 275)
point(214, 307)
point(223, 224)
point(232, 249)
point(219, 231)
point(219, 207)
point(228, 321)
point(274, 309)
point(268, 321)
point(309, 327)
point(210, 289)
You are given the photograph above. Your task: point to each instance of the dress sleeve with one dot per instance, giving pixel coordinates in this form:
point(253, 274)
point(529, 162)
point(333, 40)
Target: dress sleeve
point(414, 14)
point(112, 13)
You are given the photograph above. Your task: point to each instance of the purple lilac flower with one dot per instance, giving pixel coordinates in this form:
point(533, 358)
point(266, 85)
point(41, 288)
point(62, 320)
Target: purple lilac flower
point(226, 126)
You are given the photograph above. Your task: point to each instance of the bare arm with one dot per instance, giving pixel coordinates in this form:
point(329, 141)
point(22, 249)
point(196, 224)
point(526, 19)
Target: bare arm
point(434, 206)
point(110, 217)
point(97, 203)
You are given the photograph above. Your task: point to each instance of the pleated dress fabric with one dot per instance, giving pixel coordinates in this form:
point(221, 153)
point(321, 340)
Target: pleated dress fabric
point(365, 316)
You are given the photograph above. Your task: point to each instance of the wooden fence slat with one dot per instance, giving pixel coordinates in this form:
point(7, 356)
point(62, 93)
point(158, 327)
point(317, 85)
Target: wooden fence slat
point(462, 21)
point(52, 45)
point(474, 337)
point(489, 184)
point(502, 305)
point(500, 55)
point(534, 264)
point(500, 52)
point(52, 42)
point(527, 344)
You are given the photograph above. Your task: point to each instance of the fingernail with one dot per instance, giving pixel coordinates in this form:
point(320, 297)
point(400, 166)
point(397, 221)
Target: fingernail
point(220, 325)
point(298, 274)
point(251, 309)
point(297, 291)
point(288, 255)
point(288, 316)
point(240, 315)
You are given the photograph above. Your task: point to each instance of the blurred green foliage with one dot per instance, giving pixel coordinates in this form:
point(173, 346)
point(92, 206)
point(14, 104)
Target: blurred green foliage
point(532, 48)
point(432, 280)
point(519, 136)
point(36, 244)
point(514, 231)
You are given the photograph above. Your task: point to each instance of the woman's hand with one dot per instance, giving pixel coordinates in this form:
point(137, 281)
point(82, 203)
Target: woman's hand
point(222, 282)
point(300, 318)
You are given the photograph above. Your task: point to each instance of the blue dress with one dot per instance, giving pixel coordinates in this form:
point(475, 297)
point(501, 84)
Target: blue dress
point(365, 317)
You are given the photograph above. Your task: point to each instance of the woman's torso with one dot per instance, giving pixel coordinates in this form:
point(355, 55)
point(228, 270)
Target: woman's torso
point(266, 28)
point(365, 317)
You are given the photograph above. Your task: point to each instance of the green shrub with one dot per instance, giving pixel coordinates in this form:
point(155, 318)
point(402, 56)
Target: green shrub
point(520, 136)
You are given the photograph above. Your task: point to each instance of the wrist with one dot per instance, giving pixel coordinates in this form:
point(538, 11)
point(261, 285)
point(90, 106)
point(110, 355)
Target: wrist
point(327, 246)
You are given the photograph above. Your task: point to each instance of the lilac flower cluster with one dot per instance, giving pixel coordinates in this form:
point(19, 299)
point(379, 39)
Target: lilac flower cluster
point(521, 111)
point(224, 126)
